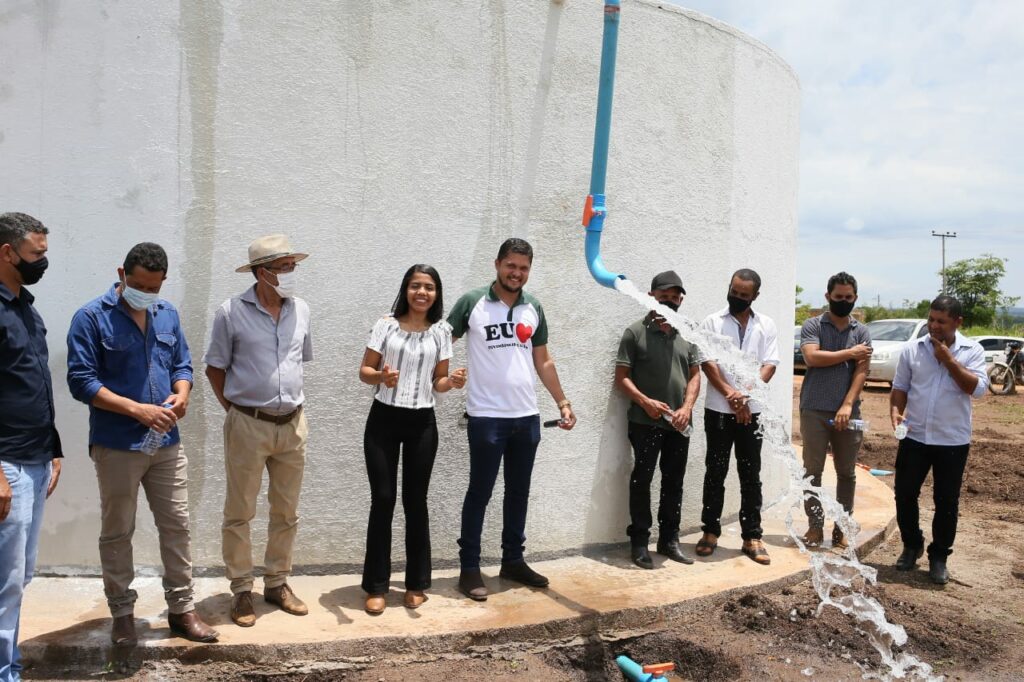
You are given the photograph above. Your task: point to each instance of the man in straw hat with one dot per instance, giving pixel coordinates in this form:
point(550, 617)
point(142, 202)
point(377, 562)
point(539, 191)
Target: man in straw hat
point(254, 362)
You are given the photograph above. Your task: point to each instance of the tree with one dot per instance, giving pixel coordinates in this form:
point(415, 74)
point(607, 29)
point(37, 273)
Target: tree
point(975, 282)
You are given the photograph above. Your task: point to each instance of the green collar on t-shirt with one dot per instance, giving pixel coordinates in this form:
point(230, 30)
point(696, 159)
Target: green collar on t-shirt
point(491, 296)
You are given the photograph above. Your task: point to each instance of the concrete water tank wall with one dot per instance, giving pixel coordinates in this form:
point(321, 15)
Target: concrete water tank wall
point(378, 135)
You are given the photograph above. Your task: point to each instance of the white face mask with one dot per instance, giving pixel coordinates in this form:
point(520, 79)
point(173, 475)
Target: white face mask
point(286, 283)
point(139, 300)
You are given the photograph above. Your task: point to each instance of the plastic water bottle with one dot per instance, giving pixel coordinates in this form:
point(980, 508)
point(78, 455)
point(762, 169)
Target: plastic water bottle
point(686, 432)
point(901, 431)
point(853, 425)
point(153, 440)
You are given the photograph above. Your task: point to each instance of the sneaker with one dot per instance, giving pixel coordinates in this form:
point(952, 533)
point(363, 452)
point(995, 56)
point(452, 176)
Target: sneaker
point(521, 573)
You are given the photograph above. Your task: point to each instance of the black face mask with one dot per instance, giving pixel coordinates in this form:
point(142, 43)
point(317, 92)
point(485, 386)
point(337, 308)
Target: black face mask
point(840, 308)
point(32, 272)
point(737, 305)
point(670, 305)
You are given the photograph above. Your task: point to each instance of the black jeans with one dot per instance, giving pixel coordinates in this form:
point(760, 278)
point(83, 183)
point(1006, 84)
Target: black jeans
point(414, 432)
point(947, 462)
point(492, 439)
point(722, 432)
point(648, 442)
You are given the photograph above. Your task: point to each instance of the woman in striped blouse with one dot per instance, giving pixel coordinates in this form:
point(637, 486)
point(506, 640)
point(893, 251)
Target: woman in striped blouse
point(406, 358)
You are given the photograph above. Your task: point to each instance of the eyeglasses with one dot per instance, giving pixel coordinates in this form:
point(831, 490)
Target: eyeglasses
point(282, 268)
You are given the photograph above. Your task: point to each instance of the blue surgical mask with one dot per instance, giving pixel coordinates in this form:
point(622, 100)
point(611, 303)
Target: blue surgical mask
point(139, 300)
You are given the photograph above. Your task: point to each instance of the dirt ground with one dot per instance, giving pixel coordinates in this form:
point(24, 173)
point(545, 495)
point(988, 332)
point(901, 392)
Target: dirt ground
point(970, 629)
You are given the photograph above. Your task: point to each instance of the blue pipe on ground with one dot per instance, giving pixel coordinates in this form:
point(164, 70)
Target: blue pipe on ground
point(633, 671)
point(594, 212)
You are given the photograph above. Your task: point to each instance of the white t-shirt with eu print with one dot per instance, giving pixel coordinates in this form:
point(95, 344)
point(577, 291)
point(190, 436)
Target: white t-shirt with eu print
point(500, 343)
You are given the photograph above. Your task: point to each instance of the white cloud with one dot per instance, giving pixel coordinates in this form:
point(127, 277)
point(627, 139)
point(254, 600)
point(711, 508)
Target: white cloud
point(913, 120)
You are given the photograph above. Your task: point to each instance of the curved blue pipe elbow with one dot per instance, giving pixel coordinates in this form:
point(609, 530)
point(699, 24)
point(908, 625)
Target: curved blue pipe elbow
point(593, 254)
point(633, 671)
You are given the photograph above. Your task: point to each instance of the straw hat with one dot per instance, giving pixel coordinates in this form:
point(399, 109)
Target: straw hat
point(267, 249)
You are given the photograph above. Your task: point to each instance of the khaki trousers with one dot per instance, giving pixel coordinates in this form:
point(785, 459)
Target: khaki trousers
point(250, 446)
point(817, 434)
point(164, 477)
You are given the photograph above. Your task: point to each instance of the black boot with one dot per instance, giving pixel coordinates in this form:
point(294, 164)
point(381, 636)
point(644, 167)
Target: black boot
point(670, 548)
point(522, 573)
point(909, 558)
point(937, 571)
point(471, 584)
point(641, 557)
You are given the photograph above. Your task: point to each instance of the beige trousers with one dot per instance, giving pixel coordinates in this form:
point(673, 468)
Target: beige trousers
point(164, 477)
point(817, 435)
point(250, 446)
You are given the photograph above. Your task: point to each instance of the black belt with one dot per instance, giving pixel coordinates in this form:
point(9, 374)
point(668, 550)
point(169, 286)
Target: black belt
point(266, 416)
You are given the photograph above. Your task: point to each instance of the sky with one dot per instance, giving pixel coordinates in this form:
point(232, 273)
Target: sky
point(912, 121)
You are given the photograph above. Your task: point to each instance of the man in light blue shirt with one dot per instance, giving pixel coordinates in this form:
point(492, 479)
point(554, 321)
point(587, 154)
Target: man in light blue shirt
point(936, 378)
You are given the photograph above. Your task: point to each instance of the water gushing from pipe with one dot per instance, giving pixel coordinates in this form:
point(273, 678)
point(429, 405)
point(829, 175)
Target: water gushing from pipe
point(837, 579)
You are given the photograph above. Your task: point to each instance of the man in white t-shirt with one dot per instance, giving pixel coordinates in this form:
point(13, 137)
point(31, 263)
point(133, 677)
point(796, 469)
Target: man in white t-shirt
point(507, 336)
point(730, 418)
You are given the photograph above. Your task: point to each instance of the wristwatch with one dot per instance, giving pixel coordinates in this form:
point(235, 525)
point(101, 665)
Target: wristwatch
point(565, 402)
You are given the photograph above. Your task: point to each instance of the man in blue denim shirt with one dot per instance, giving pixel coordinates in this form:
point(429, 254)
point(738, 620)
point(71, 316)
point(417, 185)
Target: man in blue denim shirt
point(128, 360)
point(29, 444)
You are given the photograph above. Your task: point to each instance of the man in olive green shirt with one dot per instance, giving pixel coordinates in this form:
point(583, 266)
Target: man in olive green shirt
point(659, 372)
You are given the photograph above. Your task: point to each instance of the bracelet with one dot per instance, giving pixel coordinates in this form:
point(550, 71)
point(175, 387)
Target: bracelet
point(564, 402)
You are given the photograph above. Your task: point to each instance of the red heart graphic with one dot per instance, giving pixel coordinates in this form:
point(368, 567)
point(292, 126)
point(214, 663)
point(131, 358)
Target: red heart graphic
point(524, 332)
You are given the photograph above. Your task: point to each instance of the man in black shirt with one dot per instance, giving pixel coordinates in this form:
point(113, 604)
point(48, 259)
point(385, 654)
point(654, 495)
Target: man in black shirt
point(30, 449)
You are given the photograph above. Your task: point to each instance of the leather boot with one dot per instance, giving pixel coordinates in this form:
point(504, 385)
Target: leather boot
point(374, 604)
point(670, 549)
point(908, 559)
point(414, 599)
point(285, 599)
point(471, 584)
point(242, 612)
point(937, 571)
point(641, 557)
point(520, 572)
point(122, 631)
point(190, 626)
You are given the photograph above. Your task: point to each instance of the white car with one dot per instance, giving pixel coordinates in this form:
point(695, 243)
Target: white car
point(887, 340)
point(995, 346)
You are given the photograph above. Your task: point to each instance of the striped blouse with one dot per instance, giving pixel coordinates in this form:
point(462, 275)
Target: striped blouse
point(414, 355)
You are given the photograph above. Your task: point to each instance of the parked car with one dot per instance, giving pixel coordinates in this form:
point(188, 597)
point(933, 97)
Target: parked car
point(799, 366)
point(995, 347)
point(887, 339)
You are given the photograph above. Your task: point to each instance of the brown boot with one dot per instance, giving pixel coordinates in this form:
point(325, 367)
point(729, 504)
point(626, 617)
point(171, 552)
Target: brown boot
point(284, 598)
point(374, 604)
point(755, 549)
point(122, 631)
point(190, 626)
point(814, 537)
point(838, 539)
point(242, 612)
point(414, 599)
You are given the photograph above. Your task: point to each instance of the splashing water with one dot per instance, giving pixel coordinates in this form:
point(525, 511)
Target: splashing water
point(836, 578)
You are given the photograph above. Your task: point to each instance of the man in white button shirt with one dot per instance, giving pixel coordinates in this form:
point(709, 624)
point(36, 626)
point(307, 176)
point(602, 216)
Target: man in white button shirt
point(729, 418)
point(936, 378)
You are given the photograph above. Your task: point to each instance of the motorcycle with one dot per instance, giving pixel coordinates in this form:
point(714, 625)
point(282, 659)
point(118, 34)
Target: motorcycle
point(1003, 376)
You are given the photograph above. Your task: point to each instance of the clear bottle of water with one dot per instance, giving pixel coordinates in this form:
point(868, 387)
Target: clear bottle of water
point(853, 424)
point(901, 431)
point(153, 440)
point(686, 432)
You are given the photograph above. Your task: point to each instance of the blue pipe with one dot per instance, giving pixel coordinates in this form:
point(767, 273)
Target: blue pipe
point(594, 212)
point(632, 670)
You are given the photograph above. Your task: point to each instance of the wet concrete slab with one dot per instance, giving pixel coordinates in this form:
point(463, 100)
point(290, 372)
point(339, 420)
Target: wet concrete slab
point(66, 619)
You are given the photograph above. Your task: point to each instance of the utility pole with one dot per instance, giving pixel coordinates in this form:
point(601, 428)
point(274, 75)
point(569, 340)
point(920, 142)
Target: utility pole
point(944, 236)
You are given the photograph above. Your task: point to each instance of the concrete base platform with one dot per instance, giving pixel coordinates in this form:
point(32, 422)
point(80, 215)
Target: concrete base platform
point(65, 621)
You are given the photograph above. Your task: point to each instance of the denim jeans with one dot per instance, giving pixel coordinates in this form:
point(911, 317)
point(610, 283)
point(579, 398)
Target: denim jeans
point(19, 539)
point(491, 438)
